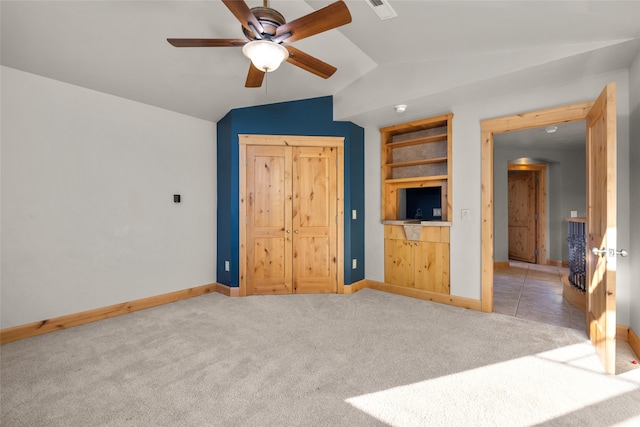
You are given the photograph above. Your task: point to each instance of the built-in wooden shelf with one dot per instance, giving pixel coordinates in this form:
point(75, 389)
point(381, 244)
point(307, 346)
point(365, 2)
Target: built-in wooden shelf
point(417, 181)
point(416, 154)
point(418, 162)
point(416, 141)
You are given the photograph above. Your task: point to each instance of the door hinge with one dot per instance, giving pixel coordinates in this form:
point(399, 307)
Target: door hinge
point(535, 217)
point(535, 252)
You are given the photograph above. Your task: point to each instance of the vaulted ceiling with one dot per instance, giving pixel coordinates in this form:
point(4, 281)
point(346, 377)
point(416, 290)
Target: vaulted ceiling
point(434, 53)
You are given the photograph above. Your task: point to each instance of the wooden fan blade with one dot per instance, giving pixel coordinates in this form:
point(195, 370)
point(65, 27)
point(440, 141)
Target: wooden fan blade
point(309, 63)
point(254, 77)
point(207, 42)
point(242, 12)
point(327, 18)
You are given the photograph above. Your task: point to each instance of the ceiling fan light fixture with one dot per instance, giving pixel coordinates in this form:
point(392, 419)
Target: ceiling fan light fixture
point(265, 55)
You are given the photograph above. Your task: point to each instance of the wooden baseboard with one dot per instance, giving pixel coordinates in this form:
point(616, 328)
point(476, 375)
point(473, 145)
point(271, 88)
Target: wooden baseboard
point(622, 333)
point(355, 287)
point(575, 296)
point(500, 265)
point(557, 263)
point(230, 291)
point(63, 322)
point(426, 295)
point(634, 342)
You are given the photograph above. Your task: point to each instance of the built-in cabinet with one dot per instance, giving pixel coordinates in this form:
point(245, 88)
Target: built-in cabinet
point(419, 261)
point(416, 205)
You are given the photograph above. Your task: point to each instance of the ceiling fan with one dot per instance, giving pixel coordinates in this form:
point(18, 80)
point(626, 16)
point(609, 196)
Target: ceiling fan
point(267, 31)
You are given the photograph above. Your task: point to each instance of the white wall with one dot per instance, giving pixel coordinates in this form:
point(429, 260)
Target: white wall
point(466, 236)
point(634, 248)
point(88, 218)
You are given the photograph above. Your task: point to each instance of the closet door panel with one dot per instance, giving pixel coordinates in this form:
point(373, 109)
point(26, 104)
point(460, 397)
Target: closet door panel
point(314, 219)
point(269, 210)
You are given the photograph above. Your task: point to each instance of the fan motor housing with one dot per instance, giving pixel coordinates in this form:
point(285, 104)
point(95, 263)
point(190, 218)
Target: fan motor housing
point(270, 19)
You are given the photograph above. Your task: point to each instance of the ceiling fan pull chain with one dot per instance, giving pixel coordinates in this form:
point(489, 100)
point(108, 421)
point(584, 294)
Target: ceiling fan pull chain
point(266, 83)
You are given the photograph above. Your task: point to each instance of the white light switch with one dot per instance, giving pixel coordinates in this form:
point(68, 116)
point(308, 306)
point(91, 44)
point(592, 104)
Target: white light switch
point(226, 266)
point(354, 214)
point(354, 264)
point(574, 214)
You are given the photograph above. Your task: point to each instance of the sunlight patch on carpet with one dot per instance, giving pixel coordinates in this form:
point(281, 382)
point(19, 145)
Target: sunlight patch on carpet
point(520, 392)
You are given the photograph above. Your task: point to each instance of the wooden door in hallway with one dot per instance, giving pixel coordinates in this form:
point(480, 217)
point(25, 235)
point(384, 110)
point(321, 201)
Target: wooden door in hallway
point(522, 215)
point(291, 230)
point(601, 226)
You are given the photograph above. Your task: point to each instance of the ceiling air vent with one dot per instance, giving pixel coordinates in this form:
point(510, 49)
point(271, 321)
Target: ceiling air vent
point(382, 8)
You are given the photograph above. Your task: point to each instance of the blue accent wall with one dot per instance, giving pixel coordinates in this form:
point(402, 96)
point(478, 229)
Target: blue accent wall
point(308, 117)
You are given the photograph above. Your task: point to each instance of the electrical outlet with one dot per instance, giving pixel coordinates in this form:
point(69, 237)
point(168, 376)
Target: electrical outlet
point(226, 266)
point(437, 212)
point(465, 214)
point(354, 264)
point(574, 214)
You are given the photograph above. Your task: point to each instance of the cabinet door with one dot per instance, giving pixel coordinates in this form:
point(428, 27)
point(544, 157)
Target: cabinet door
point(269, 211)
point(398, 262)
point(432, 266)
point(314, 220)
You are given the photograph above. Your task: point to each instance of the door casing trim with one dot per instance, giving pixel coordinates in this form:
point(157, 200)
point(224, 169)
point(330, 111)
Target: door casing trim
point(490, 127)
point(290, 141)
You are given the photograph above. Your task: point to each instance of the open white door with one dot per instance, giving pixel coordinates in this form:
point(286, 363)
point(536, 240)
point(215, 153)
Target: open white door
point(601, 226)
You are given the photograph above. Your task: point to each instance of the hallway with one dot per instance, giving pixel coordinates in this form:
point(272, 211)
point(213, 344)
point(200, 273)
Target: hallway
point(534, 292)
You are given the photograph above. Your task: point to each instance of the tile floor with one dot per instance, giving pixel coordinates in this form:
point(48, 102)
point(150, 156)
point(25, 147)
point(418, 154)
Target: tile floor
point(534, 292)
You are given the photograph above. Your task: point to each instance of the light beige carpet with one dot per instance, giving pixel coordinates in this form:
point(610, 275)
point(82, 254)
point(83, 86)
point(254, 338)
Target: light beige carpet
point(365, 359)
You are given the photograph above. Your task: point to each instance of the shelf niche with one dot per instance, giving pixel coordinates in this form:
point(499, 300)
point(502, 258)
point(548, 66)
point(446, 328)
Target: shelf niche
point(416, 154)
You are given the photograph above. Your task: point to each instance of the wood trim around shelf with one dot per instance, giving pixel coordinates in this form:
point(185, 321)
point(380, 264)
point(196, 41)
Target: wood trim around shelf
point(417, 141)
point(416, 179)
point(417, 125)
point(63, 322)
point(417, 162)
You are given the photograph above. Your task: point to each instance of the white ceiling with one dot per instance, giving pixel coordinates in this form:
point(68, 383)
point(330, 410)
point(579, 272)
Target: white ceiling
point(434, 52)
point(568, 136)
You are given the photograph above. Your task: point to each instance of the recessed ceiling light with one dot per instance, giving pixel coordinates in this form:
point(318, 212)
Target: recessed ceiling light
point(551, 129)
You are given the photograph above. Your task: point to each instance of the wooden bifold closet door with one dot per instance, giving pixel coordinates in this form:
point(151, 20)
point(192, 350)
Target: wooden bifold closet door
point(291, 216)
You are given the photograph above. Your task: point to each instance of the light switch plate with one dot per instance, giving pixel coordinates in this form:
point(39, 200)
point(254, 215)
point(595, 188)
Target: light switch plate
point(354, 214)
